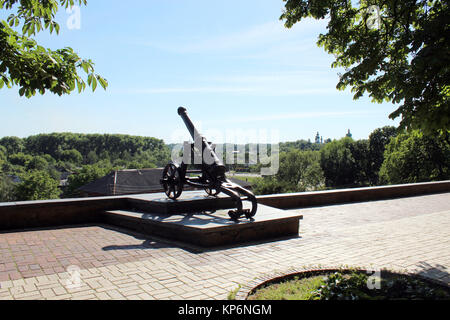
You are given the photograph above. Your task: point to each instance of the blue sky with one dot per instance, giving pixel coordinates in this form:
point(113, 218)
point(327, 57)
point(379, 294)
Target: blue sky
point(232, 64)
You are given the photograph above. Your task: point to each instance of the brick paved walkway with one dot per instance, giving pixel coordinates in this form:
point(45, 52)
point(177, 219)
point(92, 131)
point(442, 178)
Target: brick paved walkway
point(409, 233)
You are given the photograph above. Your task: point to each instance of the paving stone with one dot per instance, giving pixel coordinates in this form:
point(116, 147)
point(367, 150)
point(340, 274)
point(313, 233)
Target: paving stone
point(405, 233)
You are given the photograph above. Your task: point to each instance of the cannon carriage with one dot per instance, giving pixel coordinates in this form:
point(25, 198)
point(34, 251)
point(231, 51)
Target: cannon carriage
point(210, 174)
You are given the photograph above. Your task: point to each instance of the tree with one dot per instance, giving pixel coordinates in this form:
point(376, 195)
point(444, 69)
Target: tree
point(12, 144)
point(338, 164)
point(38, 185)
point(301, 170)
point(271, 185)
point(91, 157)
point(7, 189)
point(20, 159)
point(2, 157)
point(86, 175)
point(37, 163)
point(23, 62)
point(395, 51)
point(360, 152)
point(300, 145)
point(378, 140)
point(72, 156)
point(414, 157)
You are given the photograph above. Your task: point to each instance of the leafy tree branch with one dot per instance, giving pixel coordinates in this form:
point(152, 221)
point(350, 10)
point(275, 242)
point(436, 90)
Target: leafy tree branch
point(33, 68)
point(404, 60)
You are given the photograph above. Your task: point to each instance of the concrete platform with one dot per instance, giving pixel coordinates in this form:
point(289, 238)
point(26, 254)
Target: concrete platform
point(201, 220)
point(189, 202)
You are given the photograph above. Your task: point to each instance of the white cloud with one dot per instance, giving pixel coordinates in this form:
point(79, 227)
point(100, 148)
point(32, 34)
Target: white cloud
point(303, 115)
point(265, 84)
point(262, 90)
point(260, 36)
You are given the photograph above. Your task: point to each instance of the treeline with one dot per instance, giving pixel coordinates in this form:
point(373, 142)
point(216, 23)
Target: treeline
point(32, 168)
point(387, 157)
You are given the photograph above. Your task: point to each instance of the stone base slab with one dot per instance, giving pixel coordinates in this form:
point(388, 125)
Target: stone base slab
point(209, 229)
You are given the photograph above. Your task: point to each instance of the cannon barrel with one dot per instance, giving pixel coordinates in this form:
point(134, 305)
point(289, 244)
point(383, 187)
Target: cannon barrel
point(187, 121)
point(218, 167)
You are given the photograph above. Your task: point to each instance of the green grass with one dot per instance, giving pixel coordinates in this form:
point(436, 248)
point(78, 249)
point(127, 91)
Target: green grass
point(232, 294)
point(351, 285)
point(294, 289)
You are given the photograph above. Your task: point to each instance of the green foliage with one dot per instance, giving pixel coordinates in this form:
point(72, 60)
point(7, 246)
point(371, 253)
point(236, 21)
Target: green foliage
point(360, 152)
point(12, 144)
point(404, 59)
point(7, 189)
point(302, 170)
point(338, 163)
point(23, 62)
point(414, 157)
point(68, 147)
point(299, 171)
point(299, 145)
point(354, 286)
point(92, 156)
point(86, 175)
point(20, 159)
point(271, 185)
point(37, 185)
point(72, 156)
point(378, 140)
point(37, 163)
point(2, 157)
point(339, 286)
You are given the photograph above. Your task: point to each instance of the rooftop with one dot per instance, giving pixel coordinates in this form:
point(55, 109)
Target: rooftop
point(133, 181)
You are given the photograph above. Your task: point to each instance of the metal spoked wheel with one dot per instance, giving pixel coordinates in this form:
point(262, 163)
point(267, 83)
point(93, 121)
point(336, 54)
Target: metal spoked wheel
point(171, 181)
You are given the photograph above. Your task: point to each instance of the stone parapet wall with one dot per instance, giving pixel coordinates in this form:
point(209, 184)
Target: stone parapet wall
point(31, 214)
point(330, 197)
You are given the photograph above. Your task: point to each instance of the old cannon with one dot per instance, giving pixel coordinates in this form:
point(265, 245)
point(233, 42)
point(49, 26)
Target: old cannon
point(209, 174)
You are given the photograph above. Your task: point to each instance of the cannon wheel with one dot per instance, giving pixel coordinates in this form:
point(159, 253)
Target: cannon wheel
point(172, 182)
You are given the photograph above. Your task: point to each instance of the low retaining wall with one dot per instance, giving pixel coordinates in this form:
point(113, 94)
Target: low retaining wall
point(32, 214)
point(320, 198)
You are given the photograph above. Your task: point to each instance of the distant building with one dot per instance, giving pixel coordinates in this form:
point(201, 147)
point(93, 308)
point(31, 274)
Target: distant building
point(317, 140)
point(349, 134)
point(135, 181)
point(64, 179)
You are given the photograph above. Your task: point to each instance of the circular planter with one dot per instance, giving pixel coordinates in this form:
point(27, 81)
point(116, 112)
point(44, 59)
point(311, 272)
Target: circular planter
point(248, 289)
